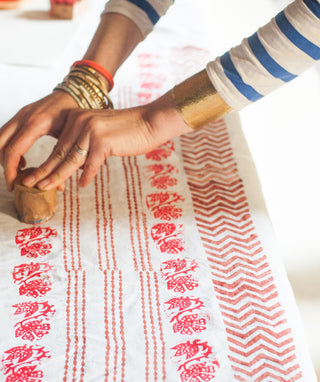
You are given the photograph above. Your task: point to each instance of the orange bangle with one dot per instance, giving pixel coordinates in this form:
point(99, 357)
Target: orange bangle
point(98, 68)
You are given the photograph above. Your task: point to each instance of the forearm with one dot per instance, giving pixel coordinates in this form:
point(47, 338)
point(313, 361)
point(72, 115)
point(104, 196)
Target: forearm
point(114, 40)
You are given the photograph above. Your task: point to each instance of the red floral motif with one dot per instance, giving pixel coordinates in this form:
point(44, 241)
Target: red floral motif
point(195, 361)
point(29, 309)
point(33, 278)
point(32, 330)
point(33, 326)
point(163, 205)
point(160, 175)
point(189, 324)
point(177, 274)
point(147, 97)
point(33, 241)
point(184, 304)
point(148, 60)
point(183, 322)
point(199, 372)
point(26, 374)
point(152, 80)
point(16, 359)
point(168, 237)
point(162, 152)
point(182, 283)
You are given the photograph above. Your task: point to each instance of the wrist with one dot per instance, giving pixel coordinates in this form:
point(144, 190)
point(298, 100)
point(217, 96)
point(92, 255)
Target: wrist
point(164, 120)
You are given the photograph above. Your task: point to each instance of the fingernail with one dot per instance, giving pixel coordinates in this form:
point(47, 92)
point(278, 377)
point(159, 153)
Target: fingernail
point(42, 185)
point(29, 181)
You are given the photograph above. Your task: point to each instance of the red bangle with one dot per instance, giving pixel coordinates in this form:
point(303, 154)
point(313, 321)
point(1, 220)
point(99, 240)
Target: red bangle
point(98, 68)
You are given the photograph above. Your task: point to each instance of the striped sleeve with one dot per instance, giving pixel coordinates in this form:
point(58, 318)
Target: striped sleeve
point(277, 53)
point(144, 13)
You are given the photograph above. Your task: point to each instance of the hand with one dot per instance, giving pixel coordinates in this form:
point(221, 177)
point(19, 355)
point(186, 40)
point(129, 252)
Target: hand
point(44, 117)
point(102, 133)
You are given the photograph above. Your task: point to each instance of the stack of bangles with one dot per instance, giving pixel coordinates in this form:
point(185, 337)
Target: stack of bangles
point(85, 85)
point(196, 98)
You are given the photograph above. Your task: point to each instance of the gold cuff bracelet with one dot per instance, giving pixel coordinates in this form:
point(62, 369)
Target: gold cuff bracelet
point(198, 101)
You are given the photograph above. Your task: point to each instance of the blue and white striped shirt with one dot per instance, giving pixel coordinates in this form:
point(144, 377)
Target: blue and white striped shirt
point(277, 53)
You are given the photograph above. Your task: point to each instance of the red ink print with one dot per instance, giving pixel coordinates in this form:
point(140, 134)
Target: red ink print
point(189, 324)
point(168, 237)
point(163, 205)
point(195, 361)
point(29, 309)
point(199, 372)
point(33, 279)
point(147, 97)
point(177, 274)
point(160, 175)
point(26, 374)
point(184, 304)
point(35, 314)
point(32, 330)
point(146, 60)
point(152, 80)
point(20, 363)
point(162, 152)
point(33, 242)
point(179, 310)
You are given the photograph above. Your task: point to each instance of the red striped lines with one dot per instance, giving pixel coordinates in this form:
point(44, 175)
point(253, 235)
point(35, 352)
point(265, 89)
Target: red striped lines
point(76, 338)
point(260, 342)
point(155, 367)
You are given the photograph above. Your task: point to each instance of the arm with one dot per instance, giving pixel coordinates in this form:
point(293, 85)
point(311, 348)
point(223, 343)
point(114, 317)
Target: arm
point(116, 36)
point(261, 63)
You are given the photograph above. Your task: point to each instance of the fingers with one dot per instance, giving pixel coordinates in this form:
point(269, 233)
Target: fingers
point(62, 153)
point(79, 147)
point(17, 146)
point(97, 155)
point(71, 163)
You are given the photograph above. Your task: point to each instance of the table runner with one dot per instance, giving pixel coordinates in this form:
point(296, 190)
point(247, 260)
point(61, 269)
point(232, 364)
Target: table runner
point(155, 271)
point(163, 269)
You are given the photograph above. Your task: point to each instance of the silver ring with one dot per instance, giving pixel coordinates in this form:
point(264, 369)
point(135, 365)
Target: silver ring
point(80, 151)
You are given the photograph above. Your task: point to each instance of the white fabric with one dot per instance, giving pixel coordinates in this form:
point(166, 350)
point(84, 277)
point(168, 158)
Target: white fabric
point(99, 317)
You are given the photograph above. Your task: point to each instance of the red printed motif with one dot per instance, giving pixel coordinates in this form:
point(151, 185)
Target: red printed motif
point(177, 274)
point(33, 326)
point(32, 278)
point(33, 241)
point(152, 80)
point(162, 152)
point(186, 323)
point(195, 361)
point(20, 363)
point(160, 175)
point(147, 60)
point(163, 205)
point(168, 237)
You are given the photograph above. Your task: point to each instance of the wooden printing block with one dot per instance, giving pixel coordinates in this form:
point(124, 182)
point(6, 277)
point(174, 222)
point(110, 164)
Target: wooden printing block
point(33, 205)
point(66, 9)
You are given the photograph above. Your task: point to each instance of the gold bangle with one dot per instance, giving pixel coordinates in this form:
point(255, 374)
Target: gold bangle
point(89, 74)
point(66, 89)
point(198, 101)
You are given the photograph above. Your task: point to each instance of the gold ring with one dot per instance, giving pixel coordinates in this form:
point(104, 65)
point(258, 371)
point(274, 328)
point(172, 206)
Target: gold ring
point(80, 151)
